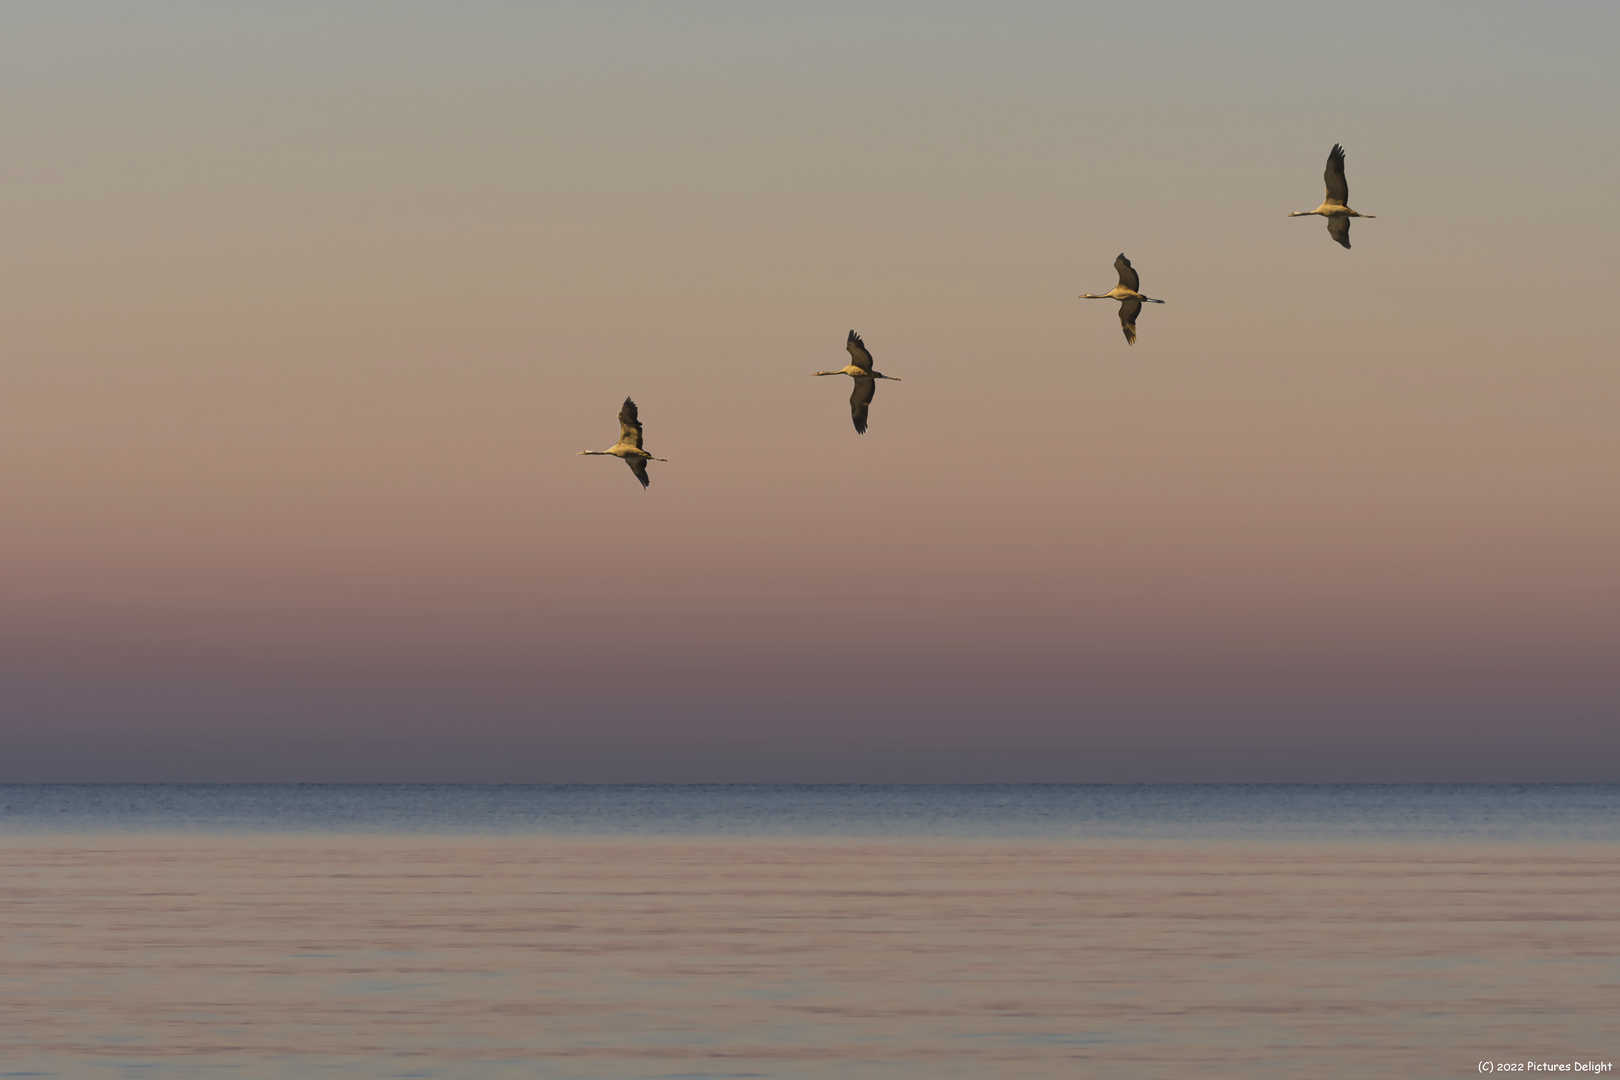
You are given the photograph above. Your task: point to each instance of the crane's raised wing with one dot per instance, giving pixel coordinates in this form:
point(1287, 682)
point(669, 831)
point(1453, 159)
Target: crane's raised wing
point(857, 350)
point(638, 465)
point(1339, 229)
point(630, 425)
point(1127, 275)
point(1128, 310)
point(860, 399)
point(1338, 188)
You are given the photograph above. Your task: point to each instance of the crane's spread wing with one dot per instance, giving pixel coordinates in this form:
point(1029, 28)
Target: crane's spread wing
point(630, 425)
point(1127, 276)
point(1338, 188)
point(1127, 318)
point(1339, 229)
point(859, 400)
point(857, 350)
point(638, 465)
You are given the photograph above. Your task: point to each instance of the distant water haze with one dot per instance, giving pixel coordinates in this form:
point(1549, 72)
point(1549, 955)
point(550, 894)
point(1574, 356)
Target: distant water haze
point(306, 312)
point(1533, 815)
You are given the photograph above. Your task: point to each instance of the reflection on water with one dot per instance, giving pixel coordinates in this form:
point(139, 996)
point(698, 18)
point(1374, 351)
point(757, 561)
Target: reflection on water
point(482, 957)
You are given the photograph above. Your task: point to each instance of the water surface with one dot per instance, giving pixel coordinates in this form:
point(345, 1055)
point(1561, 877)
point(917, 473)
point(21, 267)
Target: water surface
point(804, 933)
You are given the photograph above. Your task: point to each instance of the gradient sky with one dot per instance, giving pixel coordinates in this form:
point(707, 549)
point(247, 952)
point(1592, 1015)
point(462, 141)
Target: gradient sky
point(305, 308)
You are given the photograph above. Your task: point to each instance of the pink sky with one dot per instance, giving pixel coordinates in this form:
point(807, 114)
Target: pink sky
point(307, 311)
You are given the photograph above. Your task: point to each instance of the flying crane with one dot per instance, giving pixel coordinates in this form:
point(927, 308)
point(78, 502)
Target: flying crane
point(859, 368)
point(1337, 206)
point(1126, 292)
point(628, 448)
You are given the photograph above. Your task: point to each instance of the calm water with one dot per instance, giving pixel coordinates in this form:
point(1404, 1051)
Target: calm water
point(796, 933)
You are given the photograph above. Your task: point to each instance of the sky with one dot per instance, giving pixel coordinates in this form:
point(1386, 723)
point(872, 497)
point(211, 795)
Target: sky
point(306, 308)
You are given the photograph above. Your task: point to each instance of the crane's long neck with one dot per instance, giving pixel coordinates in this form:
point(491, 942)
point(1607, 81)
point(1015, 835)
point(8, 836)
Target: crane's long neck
point(604, 453)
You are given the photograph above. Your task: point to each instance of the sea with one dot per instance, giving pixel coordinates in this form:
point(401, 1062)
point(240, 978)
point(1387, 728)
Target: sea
point(487, 932)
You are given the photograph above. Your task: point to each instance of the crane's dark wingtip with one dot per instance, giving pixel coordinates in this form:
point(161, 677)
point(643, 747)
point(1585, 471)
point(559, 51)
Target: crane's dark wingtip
point(854, 338)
